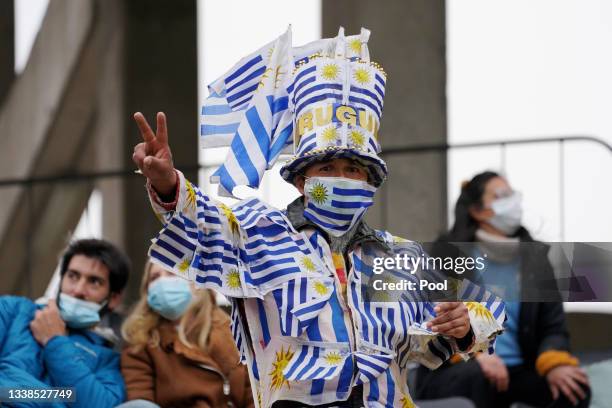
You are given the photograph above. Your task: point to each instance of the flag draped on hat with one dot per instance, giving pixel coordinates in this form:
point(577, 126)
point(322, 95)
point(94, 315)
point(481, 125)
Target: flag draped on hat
point(319, 101)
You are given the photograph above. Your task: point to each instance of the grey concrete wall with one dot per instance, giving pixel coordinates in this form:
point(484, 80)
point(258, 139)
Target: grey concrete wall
point(408, 40)
point(160, 65)
point(43, 121)
point(7, 46)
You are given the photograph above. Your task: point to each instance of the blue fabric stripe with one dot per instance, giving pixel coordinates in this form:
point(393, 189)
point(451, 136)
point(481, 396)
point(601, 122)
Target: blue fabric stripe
point(277, 105)
point(263, 320)
point(317, 98)
point(180, 240)
point(242, 69)
point(297, 362)
point(368, 93)
point(344, 380)
point(206, 130)
point(322, 223)
point(315, 88)
point(243, 104)
point(301, 85)
point(379, 79)
point(364, 323)
point(258, 242)
point(298, 78)
point(330, 214)
point(224, 178)
point(259, 131)
point(266, 252)
point(374, 392)
point(212, 110)
point(391, 317)
point(379, 318)
point(366, 103)
point(349, 204)
point(317, 387)
point(240, 94)
point(280, 141)
point(246, 79)
point(274, 275)
point(308, 138)
point(268, 264)
point(208, 279)
point(390, 389)
point(337, 316)
point(305, 149)
point(162, 258)
point(242, 157)
point(174, 251)
point(353, 192)
point(313, 332)
point(316, 373)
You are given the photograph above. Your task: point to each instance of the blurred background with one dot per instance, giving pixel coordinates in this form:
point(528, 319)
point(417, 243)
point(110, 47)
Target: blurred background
point(520, 87)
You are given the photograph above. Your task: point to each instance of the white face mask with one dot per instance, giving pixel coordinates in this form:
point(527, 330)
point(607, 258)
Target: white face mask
point(508, 213)
point(336, 203)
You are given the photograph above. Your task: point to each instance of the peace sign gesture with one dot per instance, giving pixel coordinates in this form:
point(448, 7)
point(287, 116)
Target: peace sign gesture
point(153, 156)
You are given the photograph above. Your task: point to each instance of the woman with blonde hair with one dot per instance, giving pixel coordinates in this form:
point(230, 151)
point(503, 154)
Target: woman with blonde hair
point(179, 348)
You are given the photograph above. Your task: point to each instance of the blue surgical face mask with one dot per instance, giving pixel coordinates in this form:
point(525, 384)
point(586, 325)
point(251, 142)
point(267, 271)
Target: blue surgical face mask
point(78, 313)
point(169, 296)
point(336, 203)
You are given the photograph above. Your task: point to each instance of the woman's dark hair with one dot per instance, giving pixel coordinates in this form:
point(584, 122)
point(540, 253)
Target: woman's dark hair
point(464, 228)
point(117, 263)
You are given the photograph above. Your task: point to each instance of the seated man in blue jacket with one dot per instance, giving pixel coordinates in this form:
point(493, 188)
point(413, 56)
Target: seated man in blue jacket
point(56, 345)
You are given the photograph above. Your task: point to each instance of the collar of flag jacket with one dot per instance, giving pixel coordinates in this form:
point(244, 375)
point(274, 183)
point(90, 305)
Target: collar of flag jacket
point(317, 102)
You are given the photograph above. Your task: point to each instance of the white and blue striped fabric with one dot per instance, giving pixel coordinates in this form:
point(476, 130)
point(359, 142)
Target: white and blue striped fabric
point(247, 110)
point(301, 338)
point(336, 204)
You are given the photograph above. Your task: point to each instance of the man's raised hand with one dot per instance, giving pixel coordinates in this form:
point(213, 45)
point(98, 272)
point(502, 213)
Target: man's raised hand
point(153, 156)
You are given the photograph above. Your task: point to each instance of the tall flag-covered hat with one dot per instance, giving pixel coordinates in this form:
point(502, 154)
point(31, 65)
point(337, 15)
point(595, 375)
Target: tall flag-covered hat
point(317, 102)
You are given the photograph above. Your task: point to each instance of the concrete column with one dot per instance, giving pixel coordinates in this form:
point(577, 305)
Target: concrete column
point(408, 40)
point(160, 75)
point(7, 46)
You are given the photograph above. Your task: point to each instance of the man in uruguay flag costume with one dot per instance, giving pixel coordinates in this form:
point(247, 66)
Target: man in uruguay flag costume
point(296, 277)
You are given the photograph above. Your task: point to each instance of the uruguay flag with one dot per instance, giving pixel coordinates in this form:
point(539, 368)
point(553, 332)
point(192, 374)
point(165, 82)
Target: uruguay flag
point(248, 110)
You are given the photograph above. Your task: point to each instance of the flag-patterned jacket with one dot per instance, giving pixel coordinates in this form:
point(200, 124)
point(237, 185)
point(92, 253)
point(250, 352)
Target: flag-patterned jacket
point(303, 336)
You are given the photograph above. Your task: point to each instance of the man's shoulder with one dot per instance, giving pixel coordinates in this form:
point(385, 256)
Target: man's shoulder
point(16, 305)
point(392, 239)
point(250, 211)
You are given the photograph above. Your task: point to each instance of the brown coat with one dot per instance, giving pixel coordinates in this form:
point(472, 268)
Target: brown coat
point(174, 375)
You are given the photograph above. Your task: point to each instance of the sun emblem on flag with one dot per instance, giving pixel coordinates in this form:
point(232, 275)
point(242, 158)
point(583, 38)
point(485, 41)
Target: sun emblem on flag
point(318, 193)
point(184, 265)
point(362, 76)
point(355, 45)
point(231, 218)
point(190, 200)
point(277, 378)
point(406, 402)
point(320, 288)
point(330, 72)
point(329, 134)
point(357, 138)
point(333, 358)
point(479, 310)
point(308, 264)
point(233, 279)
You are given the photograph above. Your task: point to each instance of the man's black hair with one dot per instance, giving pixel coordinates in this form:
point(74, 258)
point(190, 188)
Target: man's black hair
point(117, 263)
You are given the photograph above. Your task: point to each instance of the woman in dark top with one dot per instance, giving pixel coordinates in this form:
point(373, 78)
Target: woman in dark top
point(532, 363)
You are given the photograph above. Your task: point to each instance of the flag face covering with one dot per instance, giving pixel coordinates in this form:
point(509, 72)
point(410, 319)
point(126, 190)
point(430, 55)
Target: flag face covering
point(336, 203)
